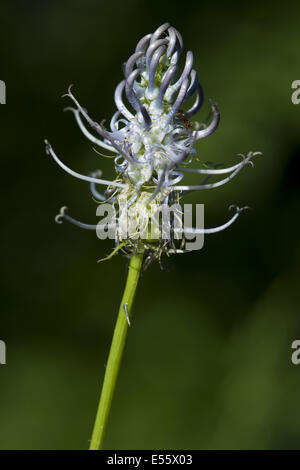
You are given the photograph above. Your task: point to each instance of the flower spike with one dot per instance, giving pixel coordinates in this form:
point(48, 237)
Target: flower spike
point(152, 138)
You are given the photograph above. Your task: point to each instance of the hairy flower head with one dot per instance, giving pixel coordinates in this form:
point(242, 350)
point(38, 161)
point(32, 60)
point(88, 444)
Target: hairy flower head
point(152, 138)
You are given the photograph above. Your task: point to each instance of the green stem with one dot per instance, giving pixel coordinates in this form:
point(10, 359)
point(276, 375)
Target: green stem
point(115, 353)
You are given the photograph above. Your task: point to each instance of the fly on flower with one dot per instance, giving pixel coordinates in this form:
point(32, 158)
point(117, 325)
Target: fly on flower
point(152, 140)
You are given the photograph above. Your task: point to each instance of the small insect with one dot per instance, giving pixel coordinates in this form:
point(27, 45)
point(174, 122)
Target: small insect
point(187, 124)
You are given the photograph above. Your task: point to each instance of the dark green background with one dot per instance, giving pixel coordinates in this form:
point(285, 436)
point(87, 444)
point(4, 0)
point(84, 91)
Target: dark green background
point(208, 358)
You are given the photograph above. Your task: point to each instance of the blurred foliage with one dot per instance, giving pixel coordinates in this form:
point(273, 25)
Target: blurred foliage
point(207, 363)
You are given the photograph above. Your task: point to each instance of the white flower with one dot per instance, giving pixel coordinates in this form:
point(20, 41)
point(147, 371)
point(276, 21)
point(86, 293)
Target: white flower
point(151, 137)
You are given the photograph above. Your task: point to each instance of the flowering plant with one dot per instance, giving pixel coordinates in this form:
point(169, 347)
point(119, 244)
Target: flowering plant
point(152, 141)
